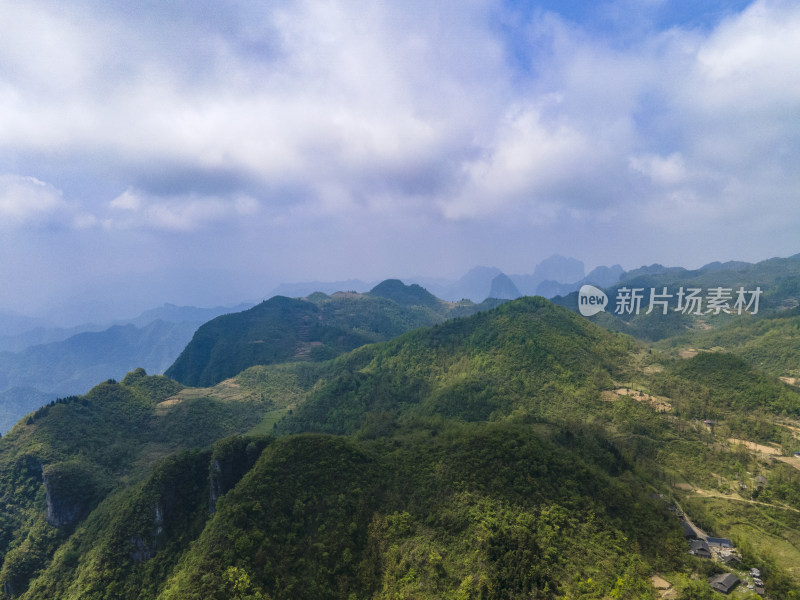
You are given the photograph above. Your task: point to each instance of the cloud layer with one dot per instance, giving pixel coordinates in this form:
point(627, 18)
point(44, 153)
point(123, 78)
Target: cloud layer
point(292, 119)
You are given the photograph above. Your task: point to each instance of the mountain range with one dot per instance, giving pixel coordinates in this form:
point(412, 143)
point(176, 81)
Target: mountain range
point(44, 363)
point(553, 276)
point(389, 444)
point(316, 328)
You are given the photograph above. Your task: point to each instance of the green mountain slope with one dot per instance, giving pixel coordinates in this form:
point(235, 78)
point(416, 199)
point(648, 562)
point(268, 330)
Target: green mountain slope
point(716, 385)
point(771, 344)
point(74, 365)
point(318, 328)
point(57, 464)
point(525, 355)
point(778, 278)
point(471, 514)
point(520, 452)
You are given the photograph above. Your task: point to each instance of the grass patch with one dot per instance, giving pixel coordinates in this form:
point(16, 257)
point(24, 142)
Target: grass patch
point(784, 549)
point(267, 424)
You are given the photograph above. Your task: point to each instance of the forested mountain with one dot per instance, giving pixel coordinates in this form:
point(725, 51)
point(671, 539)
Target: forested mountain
point(75, 365)
point(523, 356)
point(771, 343)
point(522, 452)
point(41, 364)
point(316, 328)
point(14, 340)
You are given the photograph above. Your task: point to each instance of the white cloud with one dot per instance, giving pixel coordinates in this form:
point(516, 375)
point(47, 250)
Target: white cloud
point(732, 109)
point(527, 163)
point(740, 94)
point(134, 209)
point(754, 54)
point(342, 101)
point(128, 200)
point(27, 200)
point(377, 114)
point(661, 170)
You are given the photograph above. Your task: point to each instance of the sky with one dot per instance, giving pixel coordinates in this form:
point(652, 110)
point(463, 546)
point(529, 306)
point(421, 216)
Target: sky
point(201, 152)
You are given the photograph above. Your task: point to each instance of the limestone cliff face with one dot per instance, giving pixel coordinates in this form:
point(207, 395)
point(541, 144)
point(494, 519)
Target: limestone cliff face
point(61, 511)
point(215, 487)
point(146, 547)
point(168, 508)
point(71, 491)
point(230, 461)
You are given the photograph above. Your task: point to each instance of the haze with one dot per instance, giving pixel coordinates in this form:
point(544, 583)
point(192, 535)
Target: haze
point(204, 152)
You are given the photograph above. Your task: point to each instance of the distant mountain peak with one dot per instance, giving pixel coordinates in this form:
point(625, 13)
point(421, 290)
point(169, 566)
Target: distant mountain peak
point(654, 269)
point(560, 269)
point(503, 288)
point(306, 288)
point(482, 271)
point(730, 265)
point(405, 295)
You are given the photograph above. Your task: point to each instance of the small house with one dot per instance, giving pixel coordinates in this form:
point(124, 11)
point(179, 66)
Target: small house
point(724, 582)
point(721, 542)
point(729, 557)
point(761, 480)
point(755, 572)
point(700, 548)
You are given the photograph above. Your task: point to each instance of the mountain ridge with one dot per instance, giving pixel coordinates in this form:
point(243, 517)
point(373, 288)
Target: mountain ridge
point(315, 328)
point(464, 451)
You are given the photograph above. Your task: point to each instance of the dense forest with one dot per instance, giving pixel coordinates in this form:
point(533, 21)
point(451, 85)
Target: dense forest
point(316, 328)
point(519, 452)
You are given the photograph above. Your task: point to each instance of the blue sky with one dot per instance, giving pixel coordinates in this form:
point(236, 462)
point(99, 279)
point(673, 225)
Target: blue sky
point(203, 152)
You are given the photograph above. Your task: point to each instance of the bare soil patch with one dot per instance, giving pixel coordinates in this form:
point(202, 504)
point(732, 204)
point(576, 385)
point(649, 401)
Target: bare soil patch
point(794, 428)
point(660, 583)
point(790, 460)
point(714, 494)
point(756, 447)
point(225, 391)
point(659, 403)
point(164, 407)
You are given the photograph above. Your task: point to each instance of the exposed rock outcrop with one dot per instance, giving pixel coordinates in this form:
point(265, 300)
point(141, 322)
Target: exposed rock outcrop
point(146, 548)
point(231, 459)
point(71, 491)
